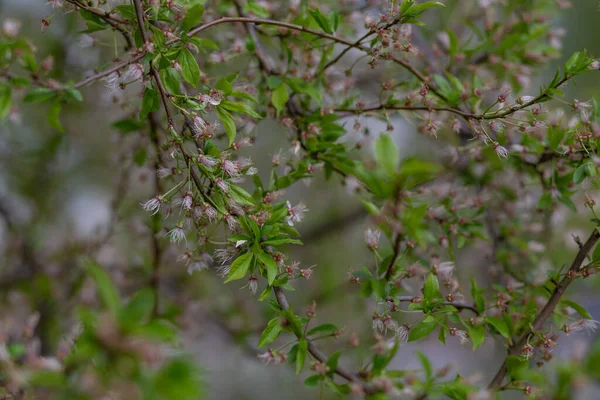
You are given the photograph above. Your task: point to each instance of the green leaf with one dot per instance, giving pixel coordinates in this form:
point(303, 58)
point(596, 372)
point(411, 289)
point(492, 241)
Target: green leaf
point(580, 174)
point(240, 196)
point(274, 81)
point(500, 325)
point(321, 20)
point(516, 367)
point(140, 156)
point(477, 297)
point(5, 101)
point(150, 102)
point(53, 116)
point(426, 364)
point(580, 310)
point(106, 290)
point(39, 94)
point(324, 329)
point(177, 379)
point(477, 333)
point(301, 354)
point(189, 67)
point(422, 329)
point(74, 94)
point(228, 123)
point(269, 264)
point(281, 241)
point(224, 85)
point(127, 125)
point(313, 381)
point(240, 267)
point(420, 8)
point(386, 154)
point(431, 290)
point(139, 309)
point(193, 17)
point(270, 333)
point(280, 97)
point(332, 361)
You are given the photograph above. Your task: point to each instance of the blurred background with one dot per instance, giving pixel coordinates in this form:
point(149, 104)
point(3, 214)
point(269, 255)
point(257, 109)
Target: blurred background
point(64, 195)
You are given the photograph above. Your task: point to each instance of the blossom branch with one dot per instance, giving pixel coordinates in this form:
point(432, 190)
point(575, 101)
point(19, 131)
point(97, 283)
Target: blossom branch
point(550, 305)
point(316, 352)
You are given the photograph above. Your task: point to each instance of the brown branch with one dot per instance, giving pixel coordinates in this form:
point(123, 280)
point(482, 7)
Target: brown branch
point(407, 108)
point(390, 269)
point(114, 22)
point(548, 309)
point(156, 249)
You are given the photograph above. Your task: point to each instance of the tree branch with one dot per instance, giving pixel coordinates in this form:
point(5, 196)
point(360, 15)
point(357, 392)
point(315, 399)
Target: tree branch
point(316, 352)
point(548, 309)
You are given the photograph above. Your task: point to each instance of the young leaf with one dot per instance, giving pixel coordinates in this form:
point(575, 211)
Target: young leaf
point(500, 325)
point(280, 97)
point(301, 355)
point(580, 310)
point(422, 329)
point(53, 116)
point(270, 333)
point(269, 264)
point(189, 67)
point(386, 154)
point(431, 290)
point(107, 291)
point(240, 267)
point(228, 123)
point(5, 101)
point(192, 17)
point(477, 333)
point(325, 329)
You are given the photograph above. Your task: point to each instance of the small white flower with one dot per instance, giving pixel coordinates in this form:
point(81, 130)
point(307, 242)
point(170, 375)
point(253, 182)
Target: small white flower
point(11, 27)
point(210, 212)
point(525, 99)
point(164, 172)
point(536, 247)
point(153, 205)
point(85, 41)
point(186, 201)
point(199, 123)
point(240, 243)
point(214, 100)
point(462, 336)
point(444, 269)
point(224, 256)
point(135, 72)
point(207, 161)
point(372, 238)
point(221, 184)
point(402, 333)
point(582, 325)
point(199, 265)
point(223, 270)
point(176, 235)
point(296, 213)
point(112, 82)
point(231, 221)
point(253, 284)
point(231, 168)
point(378, 323)
point(501, 151)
